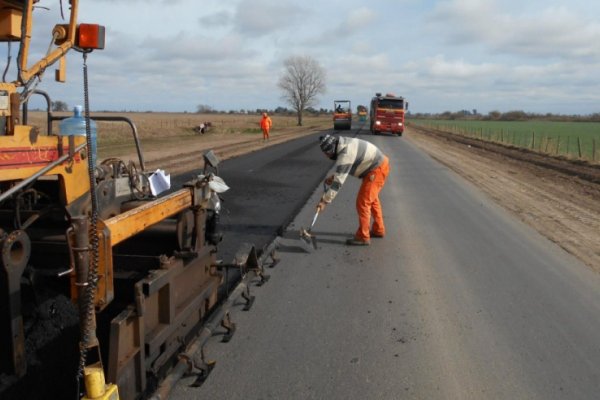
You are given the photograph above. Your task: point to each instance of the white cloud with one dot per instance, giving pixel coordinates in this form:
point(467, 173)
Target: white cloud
point(222, 18)
point(265, 17)
point(358, 19)
point(438, 67)
point(550, 32)
point(351, 24)
point(361, 47)
point(442, 55)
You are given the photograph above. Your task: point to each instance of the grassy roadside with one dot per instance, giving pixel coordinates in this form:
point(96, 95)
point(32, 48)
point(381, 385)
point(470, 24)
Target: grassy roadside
point(577, 140)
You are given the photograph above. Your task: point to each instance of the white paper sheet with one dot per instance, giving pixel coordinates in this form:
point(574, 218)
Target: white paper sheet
point(159, 182)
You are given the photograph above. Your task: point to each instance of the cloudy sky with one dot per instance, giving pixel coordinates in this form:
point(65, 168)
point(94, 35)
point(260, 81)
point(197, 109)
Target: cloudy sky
point(537, 55)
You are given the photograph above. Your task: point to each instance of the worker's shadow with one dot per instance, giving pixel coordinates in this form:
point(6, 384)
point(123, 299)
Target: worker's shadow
point(292, 241)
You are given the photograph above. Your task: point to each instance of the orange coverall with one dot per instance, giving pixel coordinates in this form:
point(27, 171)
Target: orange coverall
point(368, 204)
point(265, 125)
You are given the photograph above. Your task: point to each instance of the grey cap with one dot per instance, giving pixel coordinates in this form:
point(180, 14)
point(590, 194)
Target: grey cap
point(328, 143)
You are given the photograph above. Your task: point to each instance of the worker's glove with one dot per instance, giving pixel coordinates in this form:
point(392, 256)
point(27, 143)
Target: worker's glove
point(321, 206)
point(328, 181)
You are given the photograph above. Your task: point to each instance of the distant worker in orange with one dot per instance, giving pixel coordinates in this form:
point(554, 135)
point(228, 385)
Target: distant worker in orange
point(265, 125)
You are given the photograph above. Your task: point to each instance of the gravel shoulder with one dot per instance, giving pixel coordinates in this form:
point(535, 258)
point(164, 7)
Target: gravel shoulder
point(559, 198)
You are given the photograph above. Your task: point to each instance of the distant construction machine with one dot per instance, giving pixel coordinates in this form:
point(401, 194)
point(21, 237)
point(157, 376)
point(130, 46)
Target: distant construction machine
point(342, 114)
point(362, 113)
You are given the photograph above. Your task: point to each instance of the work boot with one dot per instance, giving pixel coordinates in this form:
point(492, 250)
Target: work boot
point(357, 242)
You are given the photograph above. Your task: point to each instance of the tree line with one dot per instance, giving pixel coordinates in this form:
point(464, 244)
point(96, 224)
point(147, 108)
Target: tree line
point(206, 109)
point(515, 115)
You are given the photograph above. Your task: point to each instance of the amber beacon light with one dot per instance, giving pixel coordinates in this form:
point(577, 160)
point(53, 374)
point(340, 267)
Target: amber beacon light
point(90, 36)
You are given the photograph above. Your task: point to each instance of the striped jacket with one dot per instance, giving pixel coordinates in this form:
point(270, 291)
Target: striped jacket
point(355, 157)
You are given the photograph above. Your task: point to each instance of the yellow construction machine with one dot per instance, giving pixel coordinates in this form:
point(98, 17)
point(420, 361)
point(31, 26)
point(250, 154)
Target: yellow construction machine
point(139, 270)
point(342, 114)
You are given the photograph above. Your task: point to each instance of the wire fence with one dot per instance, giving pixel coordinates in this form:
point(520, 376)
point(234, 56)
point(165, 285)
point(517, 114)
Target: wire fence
point(572, 140)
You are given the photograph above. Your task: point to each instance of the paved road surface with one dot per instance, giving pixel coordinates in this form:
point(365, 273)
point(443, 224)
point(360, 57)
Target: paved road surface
point(267, 189)
point(459, 301)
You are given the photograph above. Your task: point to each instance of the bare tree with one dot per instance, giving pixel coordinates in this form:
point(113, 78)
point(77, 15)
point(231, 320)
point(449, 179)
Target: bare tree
point(204, 109)
point(59, 106)
point(301, 82)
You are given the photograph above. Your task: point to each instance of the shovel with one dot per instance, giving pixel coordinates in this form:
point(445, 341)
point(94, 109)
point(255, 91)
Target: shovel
point(307, 237)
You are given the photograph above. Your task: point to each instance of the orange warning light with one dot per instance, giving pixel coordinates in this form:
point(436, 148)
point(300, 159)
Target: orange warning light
point(90, 36)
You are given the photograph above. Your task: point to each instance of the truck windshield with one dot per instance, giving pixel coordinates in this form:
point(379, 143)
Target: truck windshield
point(394, 104)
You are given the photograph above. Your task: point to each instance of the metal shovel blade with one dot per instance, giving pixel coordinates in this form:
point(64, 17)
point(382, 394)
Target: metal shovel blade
point(307, 237)
point(305, 240)
point(308, 240)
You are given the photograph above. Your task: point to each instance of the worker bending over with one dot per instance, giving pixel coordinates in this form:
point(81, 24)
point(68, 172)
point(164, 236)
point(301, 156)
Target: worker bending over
point(363, 160)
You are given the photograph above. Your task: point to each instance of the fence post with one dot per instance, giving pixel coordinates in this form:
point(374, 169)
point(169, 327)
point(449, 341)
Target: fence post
point(579, 146)
point(593, 149)
point(557, 144)
point(568, 145)
point(532, 140)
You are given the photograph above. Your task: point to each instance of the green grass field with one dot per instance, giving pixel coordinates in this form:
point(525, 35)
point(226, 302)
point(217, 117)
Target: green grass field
point(570, 139)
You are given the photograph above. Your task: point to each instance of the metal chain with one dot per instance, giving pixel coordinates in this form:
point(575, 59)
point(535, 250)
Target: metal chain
point(90, 292)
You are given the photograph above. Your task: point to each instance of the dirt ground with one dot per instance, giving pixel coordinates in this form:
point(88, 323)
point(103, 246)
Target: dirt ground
point(186, 154)
point(557, 197)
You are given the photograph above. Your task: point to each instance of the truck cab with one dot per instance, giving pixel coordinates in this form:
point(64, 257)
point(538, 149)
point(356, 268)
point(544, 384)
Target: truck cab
point(387, 114)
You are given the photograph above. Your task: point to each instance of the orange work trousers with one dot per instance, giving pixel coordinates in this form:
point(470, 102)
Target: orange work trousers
point(368, 204)
point(265, 133)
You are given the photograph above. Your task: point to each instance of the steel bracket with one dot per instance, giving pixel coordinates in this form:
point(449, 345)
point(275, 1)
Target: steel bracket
point(201, 367)
point(249, 300)
point(229, 326)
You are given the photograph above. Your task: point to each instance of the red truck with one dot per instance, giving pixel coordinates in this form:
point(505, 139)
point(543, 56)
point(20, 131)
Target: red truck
point(387, 114)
